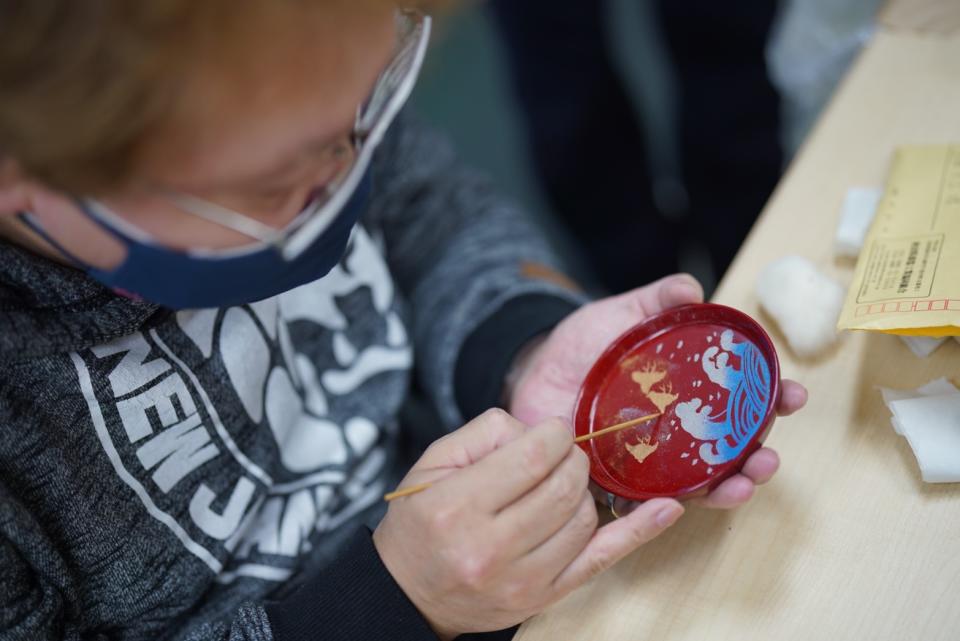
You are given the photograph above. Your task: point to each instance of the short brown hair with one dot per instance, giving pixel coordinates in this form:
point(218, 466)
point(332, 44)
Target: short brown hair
point(82, 82)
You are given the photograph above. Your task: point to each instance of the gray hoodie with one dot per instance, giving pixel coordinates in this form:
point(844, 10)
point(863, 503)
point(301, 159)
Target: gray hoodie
point(201, 474)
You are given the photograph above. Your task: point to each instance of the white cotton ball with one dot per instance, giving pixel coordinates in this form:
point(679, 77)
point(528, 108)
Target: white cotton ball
point(804, 303)
point(931, 425)
point(858, 212)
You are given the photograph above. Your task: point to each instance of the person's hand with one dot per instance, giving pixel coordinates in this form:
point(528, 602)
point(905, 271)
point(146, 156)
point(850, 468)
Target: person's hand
point(507, 527)
point(550, 373)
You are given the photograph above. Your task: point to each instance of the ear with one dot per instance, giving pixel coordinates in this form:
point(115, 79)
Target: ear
point(59, 217)
point(14, 188)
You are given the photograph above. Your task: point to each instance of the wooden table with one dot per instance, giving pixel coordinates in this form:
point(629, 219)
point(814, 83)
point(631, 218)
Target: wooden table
point(846, 543)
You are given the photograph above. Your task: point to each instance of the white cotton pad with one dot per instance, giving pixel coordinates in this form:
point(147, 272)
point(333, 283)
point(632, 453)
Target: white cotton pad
point(922, 346)
point(804, 303)
point(931, 425)
point(859, 208)
point(938, 387)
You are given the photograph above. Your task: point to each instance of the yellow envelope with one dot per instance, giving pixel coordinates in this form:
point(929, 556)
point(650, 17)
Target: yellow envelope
point(908, 274)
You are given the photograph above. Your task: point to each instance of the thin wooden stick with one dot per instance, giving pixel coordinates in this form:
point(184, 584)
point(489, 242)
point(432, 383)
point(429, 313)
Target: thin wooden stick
point(407, 491)
point(615, 428)
point(420, 487)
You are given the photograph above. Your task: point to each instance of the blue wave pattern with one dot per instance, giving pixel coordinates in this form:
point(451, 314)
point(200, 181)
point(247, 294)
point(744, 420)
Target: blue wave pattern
point(728, 432)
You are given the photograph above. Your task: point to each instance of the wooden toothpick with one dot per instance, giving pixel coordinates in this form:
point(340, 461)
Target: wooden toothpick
point(615, 428)
point(420, 487)
point(407, 491)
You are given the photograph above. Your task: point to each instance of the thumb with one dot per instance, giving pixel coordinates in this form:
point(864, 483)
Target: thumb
point(617, 539)
point(679, 289)
point(670, 291)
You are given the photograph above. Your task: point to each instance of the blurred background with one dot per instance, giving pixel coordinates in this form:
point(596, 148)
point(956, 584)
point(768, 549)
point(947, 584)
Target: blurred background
point(645, 136)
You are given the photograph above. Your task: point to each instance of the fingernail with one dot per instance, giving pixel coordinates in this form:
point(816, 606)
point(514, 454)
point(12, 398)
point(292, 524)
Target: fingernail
point(668, 515)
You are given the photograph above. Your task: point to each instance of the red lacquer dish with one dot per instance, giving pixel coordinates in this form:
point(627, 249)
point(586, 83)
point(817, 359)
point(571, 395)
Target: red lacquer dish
point(712, 373)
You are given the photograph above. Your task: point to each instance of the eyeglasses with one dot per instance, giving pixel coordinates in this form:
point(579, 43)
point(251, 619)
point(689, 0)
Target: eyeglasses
point(390, 93)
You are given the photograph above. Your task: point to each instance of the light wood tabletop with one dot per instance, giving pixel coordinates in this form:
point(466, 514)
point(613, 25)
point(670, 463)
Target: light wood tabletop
point(846, 542)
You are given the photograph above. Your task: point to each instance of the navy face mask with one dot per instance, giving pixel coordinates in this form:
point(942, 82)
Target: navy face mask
point(284, 259)
point(179, 280)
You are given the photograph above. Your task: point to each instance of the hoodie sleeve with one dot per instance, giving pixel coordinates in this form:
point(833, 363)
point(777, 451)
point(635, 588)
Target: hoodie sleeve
point(353, 598)
point(480, 278)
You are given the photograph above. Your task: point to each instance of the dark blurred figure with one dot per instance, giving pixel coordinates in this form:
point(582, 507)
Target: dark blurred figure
point(589, 149)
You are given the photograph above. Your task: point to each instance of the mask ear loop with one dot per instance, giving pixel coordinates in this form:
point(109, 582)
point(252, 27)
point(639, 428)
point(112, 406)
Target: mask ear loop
point(27, 219)
point(31, 222)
